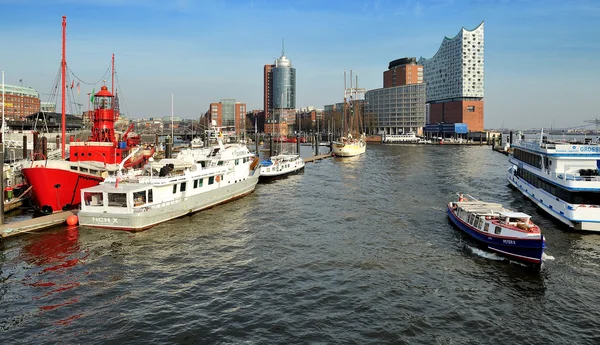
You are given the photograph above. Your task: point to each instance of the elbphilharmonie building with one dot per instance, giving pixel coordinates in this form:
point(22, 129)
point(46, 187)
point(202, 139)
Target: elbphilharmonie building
point(455, 80)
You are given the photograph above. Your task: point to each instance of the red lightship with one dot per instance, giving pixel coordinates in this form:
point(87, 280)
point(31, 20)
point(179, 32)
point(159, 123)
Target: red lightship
point(56, 184)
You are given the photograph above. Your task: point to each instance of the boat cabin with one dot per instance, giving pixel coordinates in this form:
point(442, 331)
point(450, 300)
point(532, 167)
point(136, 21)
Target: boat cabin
point(122, 199)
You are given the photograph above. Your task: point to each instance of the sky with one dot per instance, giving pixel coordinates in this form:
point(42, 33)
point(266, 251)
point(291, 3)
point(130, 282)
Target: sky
point(542, 57)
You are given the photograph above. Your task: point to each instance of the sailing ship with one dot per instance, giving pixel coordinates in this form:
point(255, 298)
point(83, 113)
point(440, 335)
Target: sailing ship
point(56, 184)
point(354, 143)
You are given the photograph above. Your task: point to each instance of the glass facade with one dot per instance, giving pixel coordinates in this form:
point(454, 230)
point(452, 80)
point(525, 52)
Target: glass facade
point(395, 110)
point(284, 84)
point(228, 112)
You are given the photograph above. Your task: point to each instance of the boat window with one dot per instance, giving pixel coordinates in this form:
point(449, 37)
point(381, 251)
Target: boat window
point(73, 168)
point(174, 188)
point(195, 184)
point(497, 230)
point(93, 199)
point(182, 189)
point(139, 198)
point(211, 180)
point(150, 199)
point(203, 164)
point(117, 199)
point(84, 170)
point(200, 182)
point(486, 227)
point(220, 163)
point(237, 161)
point(95, 172)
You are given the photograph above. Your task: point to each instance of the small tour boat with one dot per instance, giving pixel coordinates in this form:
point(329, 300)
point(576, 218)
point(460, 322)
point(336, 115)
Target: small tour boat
point(506, 232)
point(280, 165)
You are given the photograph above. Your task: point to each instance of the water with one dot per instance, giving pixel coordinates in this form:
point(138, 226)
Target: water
point(355, 250)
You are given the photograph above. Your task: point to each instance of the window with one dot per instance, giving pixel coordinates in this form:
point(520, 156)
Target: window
point(195, 184)
point(497, 230)
point(93, 199)
point(486, 227)
point(211, 180)
point(139, 198)
point(174, 188)
point(117, 199)
point(150, 199)
point(182, 189)
point(471, 108)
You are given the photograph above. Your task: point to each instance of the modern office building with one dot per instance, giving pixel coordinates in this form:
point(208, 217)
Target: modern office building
point(279, 95)
point(398, 107)
point(455, 80)
point(229, 114)
point(19, 102)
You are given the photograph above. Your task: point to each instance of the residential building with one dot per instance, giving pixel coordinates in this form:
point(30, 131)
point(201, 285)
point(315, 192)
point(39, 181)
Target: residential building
point(455, 80)
point(228, 114)
point(19, 102)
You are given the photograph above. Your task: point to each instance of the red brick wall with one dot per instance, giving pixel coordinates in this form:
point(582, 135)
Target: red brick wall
point(457, 112)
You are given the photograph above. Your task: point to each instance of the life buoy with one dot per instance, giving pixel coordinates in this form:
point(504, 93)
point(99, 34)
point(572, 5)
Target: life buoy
point(218, 178)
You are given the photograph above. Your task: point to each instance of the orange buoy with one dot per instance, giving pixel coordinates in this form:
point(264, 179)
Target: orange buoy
point(72, 220)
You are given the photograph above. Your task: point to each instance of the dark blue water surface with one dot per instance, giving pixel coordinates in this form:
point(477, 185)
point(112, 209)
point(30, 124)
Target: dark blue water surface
point(355, 250)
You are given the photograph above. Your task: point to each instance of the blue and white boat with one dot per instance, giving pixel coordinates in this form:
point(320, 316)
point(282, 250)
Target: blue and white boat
point(280, 165)
point(562, 178)
point(506, 232)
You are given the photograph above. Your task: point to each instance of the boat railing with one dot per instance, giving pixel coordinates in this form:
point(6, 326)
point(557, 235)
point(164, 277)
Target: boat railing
point(576, 177)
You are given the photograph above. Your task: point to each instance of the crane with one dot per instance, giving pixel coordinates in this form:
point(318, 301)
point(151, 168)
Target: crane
point(596, 122)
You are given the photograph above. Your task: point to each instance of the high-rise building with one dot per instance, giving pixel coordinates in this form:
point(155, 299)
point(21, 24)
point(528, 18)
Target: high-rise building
point(229, 114)
point(398, 107)
point(455, 80)
point(279, 95)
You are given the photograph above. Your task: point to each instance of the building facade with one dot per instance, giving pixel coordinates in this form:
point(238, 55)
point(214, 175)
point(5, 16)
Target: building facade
point(403, 71)
point(228, 114)
point(455, 80)
point(395, 110)
point(279, 95)
point(19, 102)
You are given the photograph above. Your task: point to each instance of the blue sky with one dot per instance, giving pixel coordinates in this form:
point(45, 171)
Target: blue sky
point(542, 64)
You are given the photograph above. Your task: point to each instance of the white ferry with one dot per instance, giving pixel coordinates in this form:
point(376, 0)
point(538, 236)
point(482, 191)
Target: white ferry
point(562, 178)
point(280, 165)
point(409, 137)
point(173, 187)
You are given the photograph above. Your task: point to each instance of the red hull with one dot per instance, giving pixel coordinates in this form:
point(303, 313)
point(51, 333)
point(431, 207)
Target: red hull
point(55, 189)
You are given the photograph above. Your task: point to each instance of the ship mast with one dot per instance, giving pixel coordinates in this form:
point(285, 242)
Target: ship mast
point(112, 82)
point(64, 84)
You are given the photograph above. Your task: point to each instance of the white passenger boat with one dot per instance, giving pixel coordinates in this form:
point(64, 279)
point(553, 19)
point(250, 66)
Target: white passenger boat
point(195, 180)
point(562, 178)
point(406, 138)
point(506, 232)
point(280, 165)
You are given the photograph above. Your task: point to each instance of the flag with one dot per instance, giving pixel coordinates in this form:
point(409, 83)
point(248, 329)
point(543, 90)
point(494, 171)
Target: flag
point(92, 97)
point(78, 89)
point(72, 84)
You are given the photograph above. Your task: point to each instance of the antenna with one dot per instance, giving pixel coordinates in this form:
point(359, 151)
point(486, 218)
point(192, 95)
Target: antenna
point(282, 48)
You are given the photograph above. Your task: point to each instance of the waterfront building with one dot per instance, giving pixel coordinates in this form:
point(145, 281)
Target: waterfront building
point(279, 95)
point(395, 110)
point(455, 80)
point(19, 102)
point(229, 114)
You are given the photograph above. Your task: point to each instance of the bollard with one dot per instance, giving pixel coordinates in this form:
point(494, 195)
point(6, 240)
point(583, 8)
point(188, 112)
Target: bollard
point(167, 148)
point(25, 147)
point(45, 147)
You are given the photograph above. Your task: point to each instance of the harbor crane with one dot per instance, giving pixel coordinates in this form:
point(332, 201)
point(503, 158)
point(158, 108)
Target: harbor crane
point(596, 122)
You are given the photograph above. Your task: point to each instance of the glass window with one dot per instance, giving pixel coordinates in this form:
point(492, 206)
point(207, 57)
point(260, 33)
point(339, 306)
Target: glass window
point(93, 199)
point(117, 199)
point(182, 189)
point(174, 188)
point(139, 198)
point(211, 180)
point(150, 199)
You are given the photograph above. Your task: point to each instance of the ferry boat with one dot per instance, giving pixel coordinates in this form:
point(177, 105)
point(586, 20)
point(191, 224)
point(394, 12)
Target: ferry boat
point(562, 178)
point(409, 137)
point(171, 188)
point(506, 232)
point(280, 165)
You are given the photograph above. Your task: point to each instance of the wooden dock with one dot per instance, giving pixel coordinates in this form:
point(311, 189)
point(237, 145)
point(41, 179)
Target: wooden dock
point(316, 158)
point(35, 224)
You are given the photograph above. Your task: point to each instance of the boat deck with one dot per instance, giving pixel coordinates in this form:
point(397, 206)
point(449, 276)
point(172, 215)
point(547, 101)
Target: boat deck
point(481, 207)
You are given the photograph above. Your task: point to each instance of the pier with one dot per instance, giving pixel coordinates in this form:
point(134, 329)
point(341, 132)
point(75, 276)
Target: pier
point(35, 224)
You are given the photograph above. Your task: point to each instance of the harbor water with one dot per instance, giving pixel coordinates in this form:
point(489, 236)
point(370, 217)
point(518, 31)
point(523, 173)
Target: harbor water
point(352, 250)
